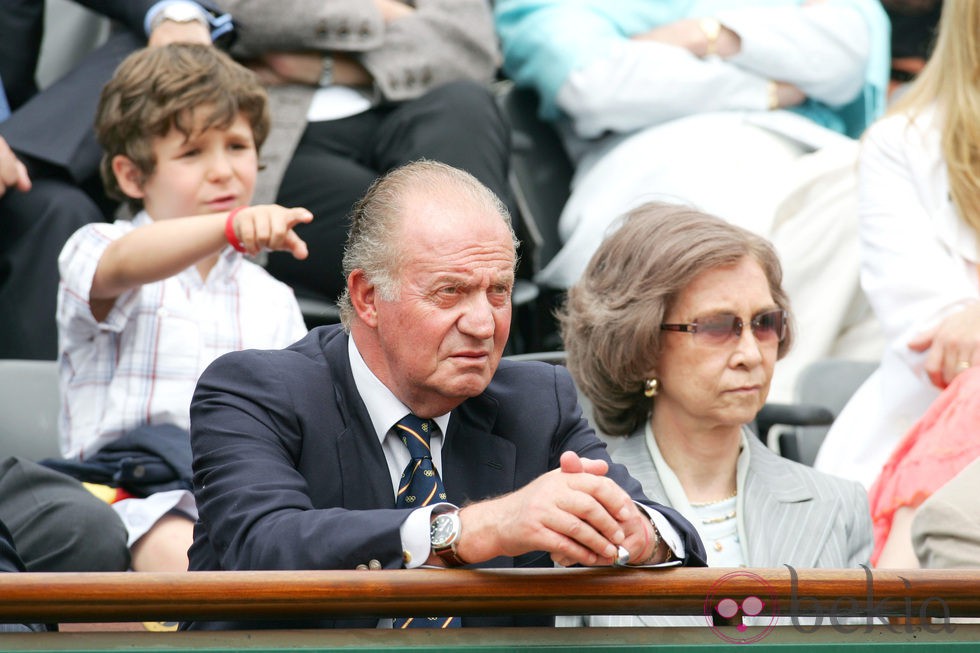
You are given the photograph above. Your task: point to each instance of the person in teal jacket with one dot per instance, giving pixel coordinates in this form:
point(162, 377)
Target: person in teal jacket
point(747, 109)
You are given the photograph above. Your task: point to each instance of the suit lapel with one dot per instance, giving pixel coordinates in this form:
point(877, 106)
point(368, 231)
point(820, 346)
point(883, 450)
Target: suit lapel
point(479, 464)
point(784, 522)
point(364, 472)
point(633, 453)
point(476, 463)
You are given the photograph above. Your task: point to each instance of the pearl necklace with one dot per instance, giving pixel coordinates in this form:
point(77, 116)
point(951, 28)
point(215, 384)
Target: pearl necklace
point(716, 501)
point(719, 525)
point(718, 520)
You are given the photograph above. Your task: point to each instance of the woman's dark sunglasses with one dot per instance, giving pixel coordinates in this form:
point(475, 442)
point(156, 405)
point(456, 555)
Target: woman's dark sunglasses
point(724, 328)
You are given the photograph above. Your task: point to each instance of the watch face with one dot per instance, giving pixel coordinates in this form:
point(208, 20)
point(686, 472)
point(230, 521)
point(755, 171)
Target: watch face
point(442, 531)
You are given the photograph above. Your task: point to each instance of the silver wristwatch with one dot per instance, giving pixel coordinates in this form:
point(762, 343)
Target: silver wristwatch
point(444, 533)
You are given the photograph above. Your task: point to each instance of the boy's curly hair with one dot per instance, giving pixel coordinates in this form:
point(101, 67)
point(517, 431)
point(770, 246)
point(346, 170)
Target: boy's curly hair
point(156, 89)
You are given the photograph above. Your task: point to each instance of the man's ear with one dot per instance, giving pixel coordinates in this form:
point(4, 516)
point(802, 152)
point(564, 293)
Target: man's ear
point(363, 297)
point(128, 176)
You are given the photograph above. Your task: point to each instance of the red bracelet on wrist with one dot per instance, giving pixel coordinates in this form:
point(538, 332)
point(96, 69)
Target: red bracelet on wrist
point(230, 230)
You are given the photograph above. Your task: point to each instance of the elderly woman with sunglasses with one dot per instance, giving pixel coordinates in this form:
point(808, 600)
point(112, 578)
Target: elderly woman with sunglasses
point(672, 333)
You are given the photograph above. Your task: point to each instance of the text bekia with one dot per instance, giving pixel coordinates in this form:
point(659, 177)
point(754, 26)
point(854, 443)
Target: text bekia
point(846, 613)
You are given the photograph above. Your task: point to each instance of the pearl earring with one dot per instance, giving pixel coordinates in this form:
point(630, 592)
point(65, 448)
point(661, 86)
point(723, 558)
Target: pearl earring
point(650, 388)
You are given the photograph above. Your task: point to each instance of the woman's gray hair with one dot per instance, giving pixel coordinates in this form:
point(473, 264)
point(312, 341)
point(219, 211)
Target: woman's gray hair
point(372, 243)
point(611, 320)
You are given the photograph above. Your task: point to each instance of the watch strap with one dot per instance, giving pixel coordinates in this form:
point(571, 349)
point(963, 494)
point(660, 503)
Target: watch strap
point(448, 555)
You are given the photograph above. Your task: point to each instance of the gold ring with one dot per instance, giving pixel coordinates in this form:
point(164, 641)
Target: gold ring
point(963, 365)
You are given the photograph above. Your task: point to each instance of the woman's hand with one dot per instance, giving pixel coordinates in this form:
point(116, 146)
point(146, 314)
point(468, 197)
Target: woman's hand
point(688, 34)
point(953, 345)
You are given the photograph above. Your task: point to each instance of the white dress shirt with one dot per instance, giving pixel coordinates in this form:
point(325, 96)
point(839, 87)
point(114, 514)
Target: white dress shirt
point(141, 363)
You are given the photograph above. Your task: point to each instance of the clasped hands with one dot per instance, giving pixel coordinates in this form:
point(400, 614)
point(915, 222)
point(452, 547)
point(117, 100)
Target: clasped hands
point(575, 513)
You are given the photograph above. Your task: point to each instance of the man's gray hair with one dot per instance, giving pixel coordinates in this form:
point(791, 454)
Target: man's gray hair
point(372, 244)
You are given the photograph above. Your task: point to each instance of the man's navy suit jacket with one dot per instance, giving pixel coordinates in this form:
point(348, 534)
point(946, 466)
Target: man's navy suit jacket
point(289, 474)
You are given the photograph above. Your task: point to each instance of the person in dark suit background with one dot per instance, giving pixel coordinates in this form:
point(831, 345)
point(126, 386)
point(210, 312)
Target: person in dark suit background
point(296, 459)
point(49, 183)
point(56, 523)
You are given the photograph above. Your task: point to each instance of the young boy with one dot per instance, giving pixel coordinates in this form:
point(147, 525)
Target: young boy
point(144, 306)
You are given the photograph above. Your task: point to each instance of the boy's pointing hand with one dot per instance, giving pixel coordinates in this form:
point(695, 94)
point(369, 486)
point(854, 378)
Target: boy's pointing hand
point(270, 227)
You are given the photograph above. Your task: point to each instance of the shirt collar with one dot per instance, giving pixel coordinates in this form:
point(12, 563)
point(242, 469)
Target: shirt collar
point(384, 408)
point(676, 496)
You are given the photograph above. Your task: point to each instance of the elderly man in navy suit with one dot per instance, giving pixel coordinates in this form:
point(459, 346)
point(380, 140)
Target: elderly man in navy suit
point(297, 456)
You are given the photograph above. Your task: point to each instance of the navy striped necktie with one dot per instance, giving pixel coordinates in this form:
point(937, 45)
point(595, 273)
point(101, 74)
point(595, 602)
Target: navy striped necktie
point(419, 486)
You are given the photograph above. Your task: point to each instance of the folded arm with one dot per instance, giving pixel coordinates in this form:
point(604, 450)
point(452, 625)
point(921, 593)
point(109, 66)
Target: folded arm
point(921, 291)
point(620, 80)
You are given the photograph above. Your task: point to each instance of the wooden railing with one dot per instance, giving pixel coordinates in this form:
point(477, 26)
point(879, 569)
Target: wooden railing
point(80, 597)
point(859, 604)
